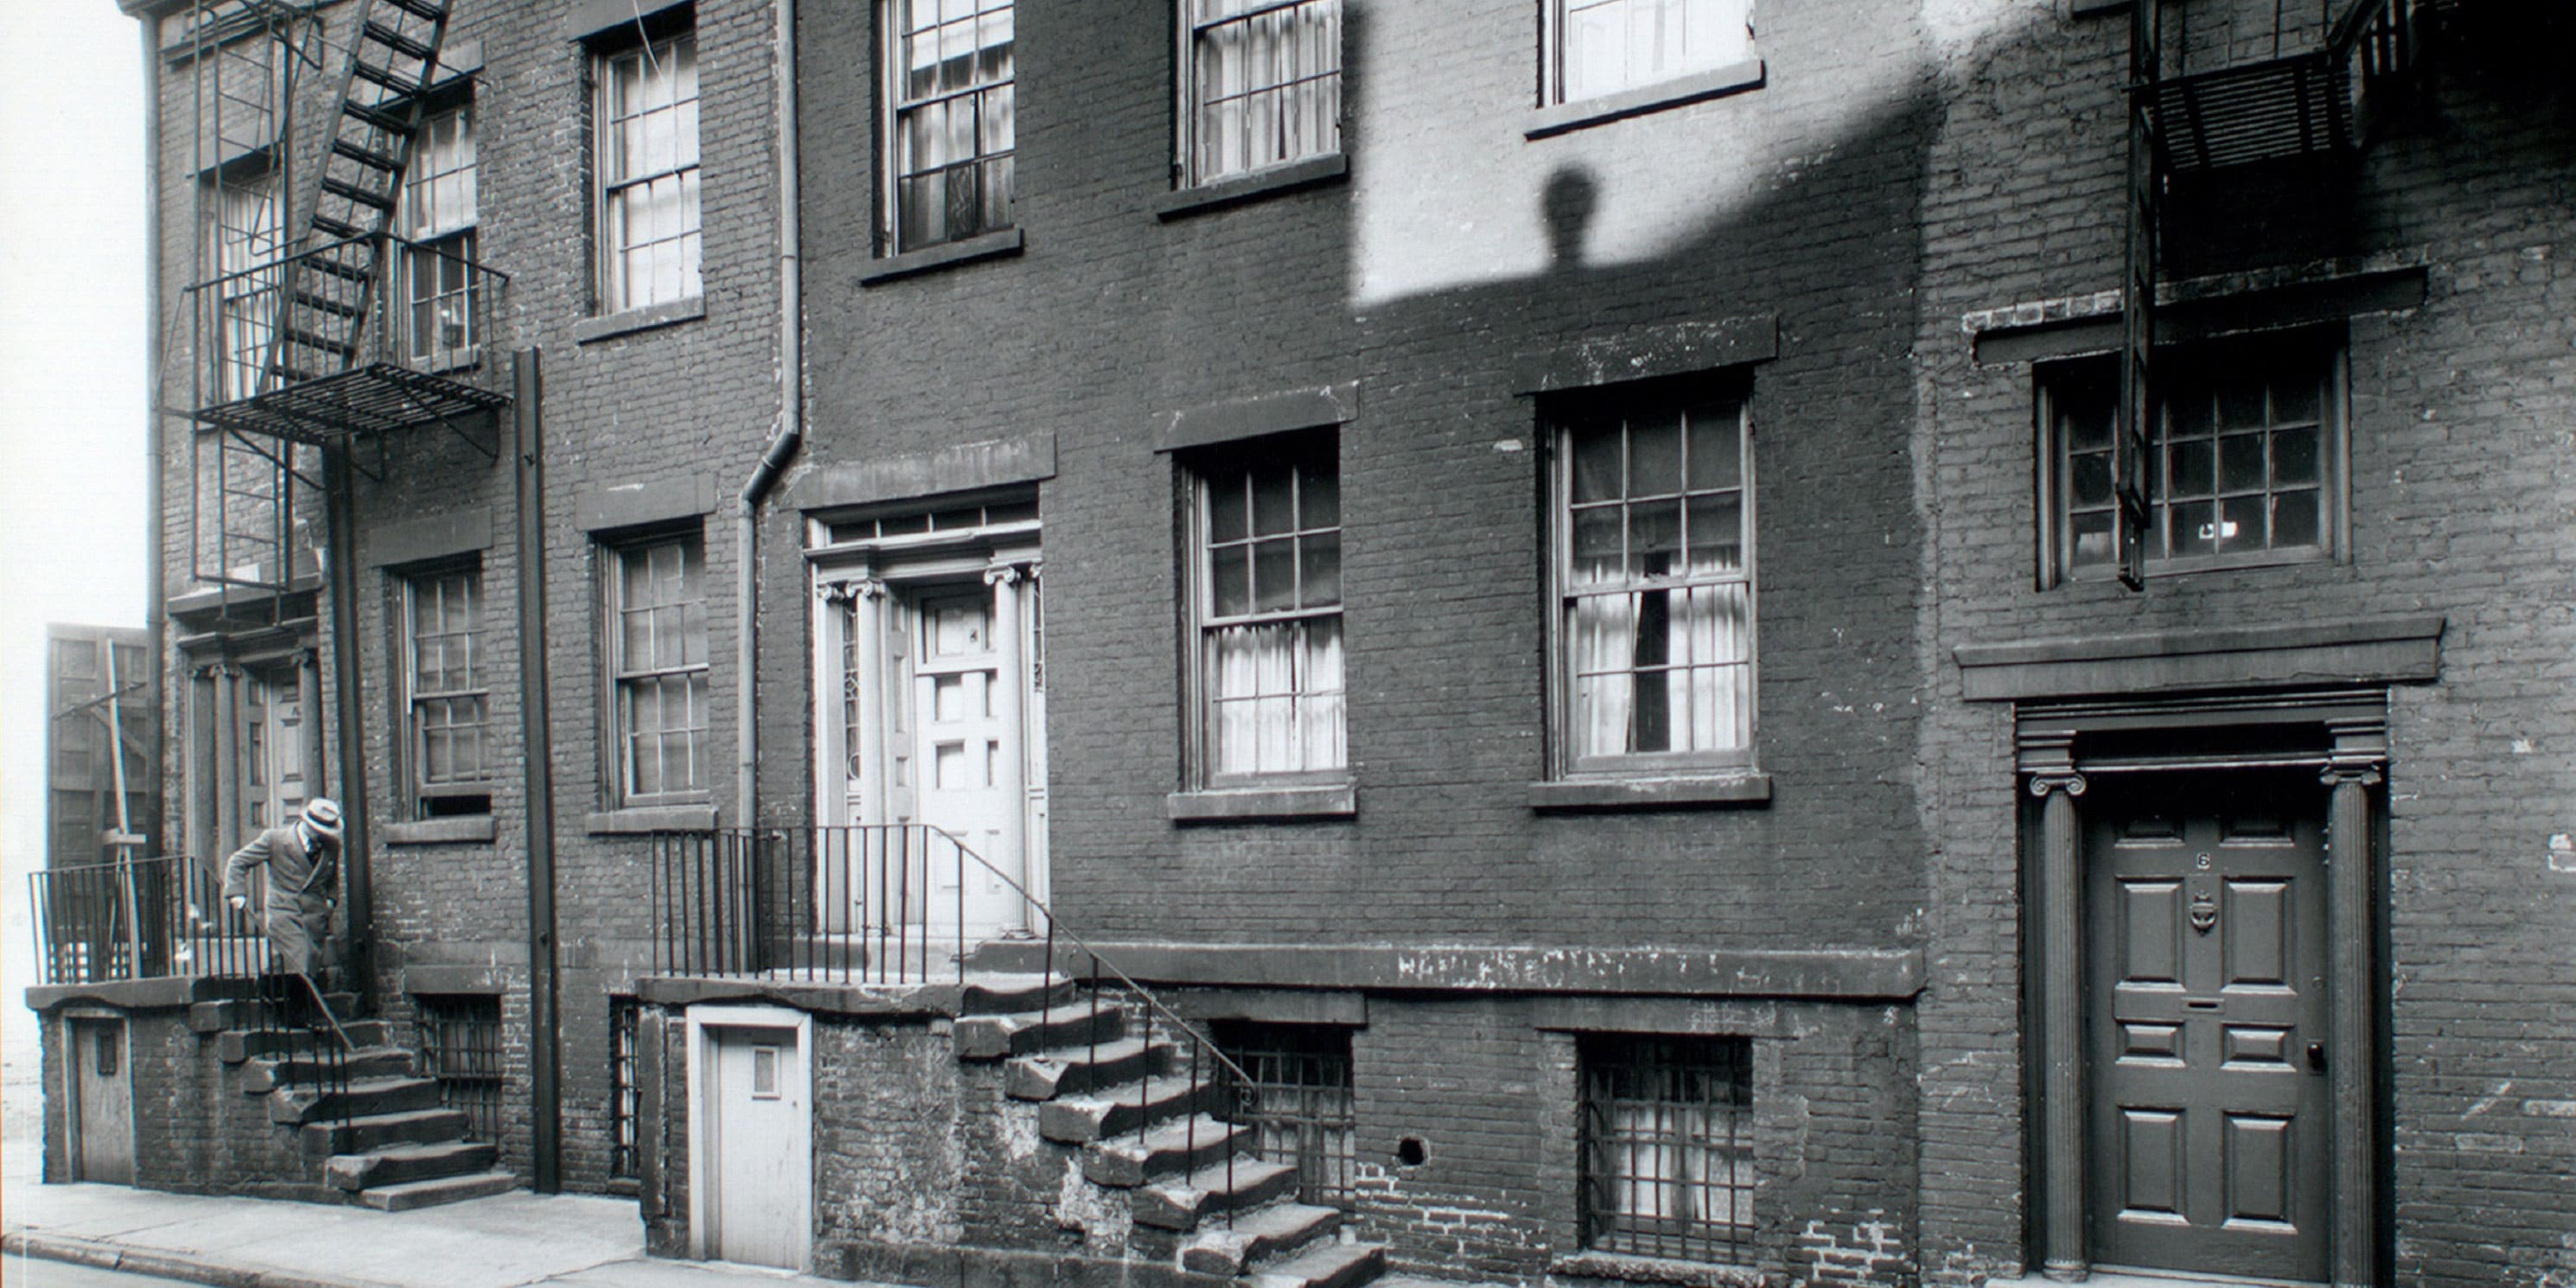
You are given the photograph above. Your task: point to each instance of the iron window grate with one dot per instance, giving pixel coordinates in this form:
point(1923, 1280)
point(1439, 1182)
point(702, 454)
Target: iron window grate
point(625, 1094)
point(1666, 1147)
point(1298, 1102)
point(460, 1043)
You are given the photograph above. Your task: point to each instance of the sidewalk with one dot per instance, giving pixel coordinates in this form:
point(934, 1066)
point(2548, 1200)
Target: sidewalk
point(504, 1241)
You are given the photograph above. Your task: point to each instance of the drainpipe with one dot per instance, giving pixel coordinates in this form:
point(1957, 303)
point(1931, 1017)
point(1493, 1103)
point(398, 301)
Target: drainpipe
point(156, 617)
point(791, 424)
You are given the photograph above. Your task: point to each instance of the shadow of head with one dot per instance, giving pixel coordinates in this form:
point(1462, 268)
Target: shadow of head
point(1566, 206)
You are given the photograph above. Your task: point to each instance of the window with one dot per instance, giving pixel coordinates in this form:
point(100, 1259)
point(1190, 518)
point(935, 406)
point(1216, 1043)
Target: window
point(2245, 465)
point(949, 87)
point(1654, 584)
point(460, 1045)
point(1262, 84)
point(1599, 47)
point(1665, 1144)
point(625, 1090)
point(1297, 1099)
point(446, 692)
point(438, 217)
point(657, 646)
point(648, 174)
point(1267, 608)
point(243, 242)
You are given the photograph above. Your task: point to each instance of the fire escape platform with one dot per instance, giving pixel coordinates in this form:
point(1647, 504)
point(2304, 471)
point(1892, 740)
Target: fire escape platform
point(2277, 109)
point(375, 398)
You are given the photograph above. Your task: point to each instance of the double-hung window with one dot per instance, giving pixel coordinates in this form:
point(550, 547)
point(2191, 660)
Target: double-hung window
point(438, 218)
point(1595, 48)
point(1267, 613)
point(243, 242)
point(648, 173)
point(1653, 572)
point(446, 692)
point(657, 666)
point(1262, 84)
point(2245, 464)
point(1666, 1138)
point(950, 79)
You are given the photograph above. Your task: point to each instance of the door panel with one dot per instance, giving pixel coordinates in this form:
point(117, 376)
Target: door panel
point(103, 1101)
point(761, 1211)
point(965, 752)
point(2205, 907)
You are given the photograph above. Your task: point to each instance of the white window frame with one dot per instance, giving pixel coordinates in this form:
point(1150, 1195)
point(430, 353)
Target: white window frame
point(1618, 406)
point(1235, 462)
point(2058, 528)
point(897, 108)
point(1195, 29)
point(677, 52)
point(245, 253)
point(417, 698)
point(625, 680)
point(1555, 18)
point(441, 209)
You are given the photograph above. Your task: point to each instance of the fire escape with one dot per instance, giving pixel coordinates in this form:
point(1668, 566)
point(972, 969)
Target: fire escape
point(327, 337)
point(2282, 102)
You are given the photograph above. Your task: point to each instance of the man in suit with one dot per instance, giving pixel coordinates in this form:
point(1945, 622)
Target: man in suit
point(303, 860)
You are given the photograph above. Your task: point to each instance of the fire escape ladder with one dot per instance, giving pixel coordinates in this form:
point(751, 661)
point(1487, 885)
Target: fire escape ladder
point(355, 189)
point(2145, 191)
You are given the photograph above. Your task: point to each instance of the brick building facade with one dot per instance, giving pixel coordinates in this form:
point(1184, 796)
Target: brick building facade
point(1543, 576)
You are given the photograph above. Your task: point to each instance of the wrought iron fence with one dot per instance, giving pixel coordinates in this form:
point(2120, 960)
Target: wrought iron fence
point(140, 919)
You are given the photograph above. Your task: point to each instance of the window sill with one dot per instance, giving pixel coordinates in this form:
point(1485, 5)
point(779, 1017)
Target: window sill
point(1743, 788)
point(461, 830)
point(642, 819)
point(930, 259)
point(1236, 189)
point(610, 325)
point(1647, 98)
point(1624, 1268)
point(1332, 800)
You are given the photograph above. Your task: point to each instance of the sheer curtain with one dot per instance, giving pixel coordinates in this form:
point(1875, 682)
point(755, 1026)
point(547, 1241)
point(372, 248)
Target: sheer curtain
point(1278, 696)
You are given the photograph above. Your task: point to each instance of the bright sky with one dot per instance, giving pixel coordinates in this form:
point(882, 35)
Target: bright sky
point(72, 325)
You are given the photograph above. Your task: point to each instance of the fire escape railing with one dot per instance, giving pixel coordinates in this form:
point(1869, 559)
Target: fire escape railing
point(419, 354)
point(880, 904)
point(2295, 102)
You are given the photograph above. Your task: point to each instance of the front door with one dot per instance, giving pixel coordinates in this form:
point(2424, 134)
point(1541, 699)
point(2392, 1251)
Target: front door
point(102, 1101)
point(2206, 1026)
point(964, 750)
point(760, 1207)
point(273, 747)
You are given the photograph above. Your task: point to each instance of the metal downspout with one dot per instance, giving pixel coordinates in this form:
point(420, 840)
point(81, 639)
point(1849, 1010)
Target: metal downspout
point(791, 426)
point(156, 617)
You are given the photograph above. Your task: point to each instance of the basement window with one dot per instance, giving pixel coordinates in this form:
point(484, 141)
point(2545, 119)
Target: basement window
point(459, 1036)
point(1297, 1101)
point(1666, 1147)
point(625, 1091)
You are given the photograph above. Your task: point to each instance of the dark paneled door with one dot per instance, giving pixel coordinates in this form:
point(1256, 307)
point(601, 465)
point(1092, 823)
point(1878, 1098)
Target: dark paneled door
point(103, 1101)
point(2206, 1026)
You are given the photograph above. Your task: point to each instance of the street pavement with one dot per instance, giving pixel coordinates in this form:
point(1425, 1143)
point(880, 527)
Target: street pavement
point(505, 1241)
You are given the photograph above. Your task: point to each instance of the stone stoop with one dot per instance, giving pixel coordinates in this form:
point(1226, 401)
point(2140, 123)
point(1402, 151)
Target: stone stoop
point(1139, 1122)
point(382, 1141)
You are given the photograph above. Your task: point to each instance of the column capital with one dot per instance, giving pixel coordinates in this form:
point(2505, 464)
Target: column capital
point(2067, 781)
point(2357, 772)
point(850, 590)
point(1002, 575)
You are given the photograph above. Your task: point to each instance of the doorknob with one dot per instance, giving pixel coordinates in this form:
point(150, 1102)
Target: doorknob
point(2316, 1057)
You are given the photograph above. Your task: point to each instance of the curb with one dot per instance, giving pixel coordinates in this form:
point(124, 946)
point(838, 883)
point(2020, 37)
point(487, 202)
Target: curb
point(164, 1265)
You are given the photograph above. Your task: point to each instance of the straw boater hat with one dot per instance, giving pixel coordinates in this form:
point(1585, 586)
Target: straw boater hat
point(322, 814)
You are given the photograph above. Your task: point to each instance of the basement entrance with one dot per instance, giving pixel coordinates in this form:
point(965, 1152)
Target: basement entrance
point(2206, 1023)
point(102, 1100)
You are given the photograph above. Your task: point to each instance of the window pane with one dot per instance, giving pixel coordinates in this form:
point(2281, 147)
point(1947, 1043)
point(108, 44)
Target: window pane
point(2294, 519)
point(1597, 465)
point(1716, 452)
point(2240, 462)
point(2294, 455)
point(1320, 561)
point(1273, 508)
point(1230, 573)
point(1655, 455)
point(1716, 534)
point(1274, 575)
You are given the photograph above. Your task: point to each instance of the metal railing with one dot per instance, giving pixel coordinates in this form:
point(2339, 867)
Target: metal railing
point(896, 904)
point(140, 919)
point(375, 303)
point(166, 918)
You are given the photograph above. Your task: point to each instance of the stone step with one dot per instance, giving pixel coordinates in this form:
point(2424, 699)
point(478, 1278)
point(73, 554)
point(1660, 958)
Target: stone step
point(998, 993)
point(237, 1045)
point(1331, 1265)
point(400, 1164)
point(446, 1189)
point(1074, 1070)
point(366, 1096)
point(375, 1131)
point(264, 1074)
point(1259, 1235)
point(1182, 1202)
point(1125, 1162)
point(1112, 1111)
point(992, 1037)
